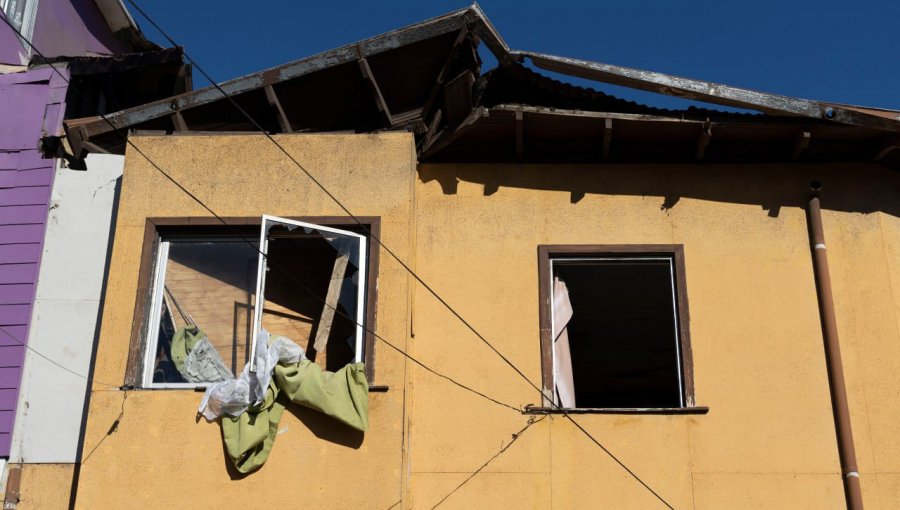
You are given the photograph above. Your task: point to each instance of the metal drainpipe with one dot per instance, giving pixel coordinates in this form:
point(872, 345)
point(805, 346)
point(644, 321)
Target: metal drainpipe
point(846, 449)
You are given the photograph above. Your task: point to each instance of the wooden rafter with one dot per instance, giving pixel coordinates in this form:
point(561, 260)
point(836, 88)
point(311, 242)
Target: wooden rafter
point(376, 91)
point(283, 122)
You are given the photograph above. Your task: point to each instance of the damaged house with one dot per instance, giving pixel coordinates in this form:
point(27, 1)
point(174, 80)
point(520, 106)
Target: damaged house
point(55, 219)
point(632, 304)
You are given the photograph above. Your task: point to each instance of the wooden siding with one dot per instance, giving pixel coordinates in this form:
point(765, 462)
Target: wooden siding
point(35, 99)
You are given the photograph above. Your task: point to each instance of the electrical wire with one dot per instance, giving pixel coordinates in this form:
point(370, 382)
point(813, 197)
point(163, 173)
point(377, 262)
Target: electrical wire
point(54, 362)
point(503, 449)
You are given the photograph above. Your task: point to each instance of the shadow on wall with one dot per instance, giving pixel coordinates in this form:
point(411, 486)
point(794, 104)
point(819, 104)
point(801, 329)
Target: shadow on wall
point(862, 188)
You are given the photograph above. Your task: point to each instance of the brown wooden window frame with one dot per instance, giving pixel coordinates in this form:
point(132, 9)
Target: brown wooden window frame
point(157, 227)
point(547, 253)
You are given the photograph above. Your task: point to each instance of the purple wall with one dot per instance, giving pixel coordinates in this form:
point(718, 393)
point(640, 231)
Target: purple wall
point(11, 51)
point(31, 104)
point(73, 28)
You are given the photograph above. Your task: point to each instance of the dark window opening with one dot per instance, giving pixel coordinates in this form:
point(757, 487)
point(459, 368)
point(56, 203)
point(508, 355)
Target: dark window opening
point(614, 327)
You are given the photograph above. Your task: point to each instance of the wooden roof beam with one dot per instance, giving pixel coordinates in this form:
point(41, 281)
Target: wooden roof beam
point(376, 92)
point(283, 123)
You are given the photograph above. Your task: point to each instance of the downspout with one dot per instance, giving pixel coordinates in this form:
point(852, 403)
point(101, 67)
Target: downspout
point(846, 450)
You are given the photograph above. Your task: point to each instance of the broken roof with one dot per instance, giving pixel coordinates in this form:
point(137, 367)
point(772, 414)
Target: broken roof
point(426, 78)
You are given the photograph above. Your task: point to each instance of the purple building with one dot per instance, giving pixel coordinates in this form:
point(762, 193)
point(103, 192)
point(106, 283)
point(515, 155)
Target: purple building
point(99, 55)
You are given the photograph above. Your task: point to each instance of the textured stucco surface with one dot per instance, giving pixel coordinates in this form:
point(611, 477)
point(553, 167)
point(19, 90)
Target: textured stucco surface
point(472, 233)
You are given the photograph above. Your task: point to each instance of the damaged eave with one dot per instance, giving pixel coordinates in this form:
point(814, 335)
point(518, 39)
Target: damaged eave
point(470, 19)
point(715, 93)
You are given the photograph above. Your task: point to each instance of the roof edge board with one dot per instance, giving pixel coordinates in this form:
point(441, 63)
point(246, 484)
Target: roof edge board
point(482, 26)
point(342, 55)
point(705, 91)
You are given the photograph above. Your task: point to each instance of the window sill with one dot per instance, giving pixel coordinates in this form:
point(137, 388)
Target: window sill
point(612, 410)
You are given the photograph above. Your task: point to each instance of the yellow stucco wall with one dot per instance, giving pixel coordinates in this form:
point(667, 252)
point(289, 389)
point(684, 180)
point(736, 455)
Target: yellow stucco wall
point(44, 486)
point(471, 232)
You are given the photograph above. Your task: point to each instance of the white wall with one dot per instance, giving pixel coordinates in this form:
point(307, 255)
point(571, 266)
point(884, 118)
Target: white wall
point(64, 317)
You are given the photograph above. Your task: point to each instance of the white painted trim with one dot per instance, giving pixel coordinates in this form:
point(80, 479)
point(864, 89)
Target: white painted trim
point(261, 269)
point(162, 257)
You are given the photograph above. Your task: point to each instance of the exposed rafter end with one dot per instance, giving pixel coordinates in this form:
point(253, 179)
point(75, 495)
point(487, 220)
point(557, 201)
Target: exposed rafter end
point(703, 140)
point(801, 143)
point(607, 138)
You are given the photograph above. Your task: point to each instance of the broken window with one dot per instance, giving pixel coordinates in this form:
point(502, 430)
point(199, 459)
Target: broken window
point(305, 281)
point(615, 328)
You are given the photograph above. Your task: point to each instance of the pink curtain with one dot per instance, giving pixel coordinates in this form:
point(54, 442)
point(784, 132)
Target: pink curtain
point(562, 357)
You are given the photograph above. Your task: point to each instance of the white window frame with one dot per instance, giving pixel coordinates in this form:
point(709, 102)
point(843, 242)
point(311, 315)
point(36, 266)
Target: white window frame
point(554, 261)
point(29, 15)
point(159, 273)
point(270, 221)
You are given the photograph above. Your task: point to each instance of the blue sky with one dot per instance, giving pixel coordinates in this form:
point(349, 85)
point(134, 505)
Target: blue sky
point(845, 52)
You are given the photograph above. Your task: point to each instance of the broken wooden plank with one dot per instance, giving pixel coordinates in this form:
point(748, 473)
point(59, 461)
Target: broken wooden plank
point(703, 141)
point(283, 123)
point(607, 138)
point(376, 92)
point(520, 142)
point(801, 143)
point(331, 302)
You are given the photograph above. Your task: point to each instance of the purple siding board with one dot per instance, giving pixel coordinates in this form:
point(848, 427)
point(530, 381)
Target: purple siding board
point(21, 214)
point(18, 273)
point(20, 253)
point(20, 126)
point(29, 159)
point(16, 293)
point(12, 335)
point(12, 315)
point(8, 178)
point(8, 400)
point(26, 195)
point(34, 176)
point(11, 356)
point(20, 234)
point(9, 377)
point(6, 421)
